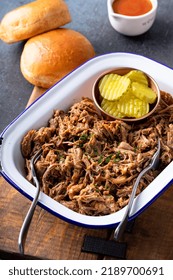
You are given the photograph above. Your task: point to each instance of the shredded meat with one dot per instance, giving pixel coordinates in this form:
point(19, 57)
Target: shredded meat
point(90, 164)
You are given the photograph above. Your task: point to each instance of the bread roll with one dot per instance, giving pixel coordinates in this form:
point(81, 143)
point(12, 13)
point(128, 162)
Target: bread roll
point(48, 57)
point(32, 19)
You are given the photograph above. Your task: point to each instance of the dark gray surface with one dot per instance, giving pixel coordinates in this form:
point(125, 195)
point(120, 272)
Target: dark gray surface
point(90, 18)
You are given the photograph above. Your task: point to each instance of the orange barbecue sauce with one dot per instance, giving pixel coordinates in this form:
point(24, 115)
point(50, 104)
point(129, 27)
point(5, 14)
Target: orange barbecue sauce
point(132, 7)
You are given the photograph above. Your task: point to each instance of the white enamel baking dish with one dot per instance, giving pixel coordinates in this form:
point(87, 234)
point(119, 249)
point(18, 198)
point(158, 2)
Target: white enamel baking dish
point(61, 96)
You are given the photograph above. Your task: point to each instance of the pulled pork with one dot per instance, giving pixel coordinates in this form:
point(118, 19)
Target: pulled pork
point(90, 164)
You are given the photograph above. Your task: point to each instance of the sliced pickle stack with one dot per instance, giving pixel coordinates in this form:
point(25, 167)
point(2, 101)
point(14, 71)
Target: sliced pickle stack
point(126, 96)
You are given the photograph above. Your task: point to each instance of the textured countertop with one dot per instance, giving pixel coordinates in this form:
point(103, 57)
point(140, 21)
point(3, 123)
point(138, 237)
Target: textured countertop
point(90, 18)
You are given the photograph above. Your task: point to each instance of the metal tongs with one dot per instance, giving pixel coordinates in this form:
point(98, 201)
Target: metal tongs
point(152, 165)
point(29, 215)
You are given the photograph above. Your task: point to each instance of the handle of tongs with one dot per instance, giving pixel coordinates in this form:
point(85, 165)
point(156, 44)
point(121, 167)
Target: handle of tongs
point(152, 165)
point(30, 213)
point(122, 225)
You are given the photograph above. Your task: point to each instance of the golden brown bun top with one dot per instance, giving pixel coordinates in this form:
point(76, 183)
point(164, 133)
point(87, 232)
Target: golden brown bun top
point(48, 57)
point(32, 19)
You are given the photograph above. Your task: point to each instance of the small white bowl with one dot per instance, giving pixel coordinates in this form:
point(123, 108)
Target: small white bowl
point(132, 25)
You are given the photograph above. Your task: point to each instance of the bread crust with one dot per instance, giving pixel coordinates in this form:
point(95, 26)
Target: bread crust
point(32, 19)
point(48, 57)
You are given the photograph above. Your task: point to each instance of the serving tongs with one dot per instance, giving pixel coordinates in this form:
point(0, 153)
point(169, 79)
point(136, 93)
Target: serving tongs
point(115, 247)
point(29, 215)
point(152, 165)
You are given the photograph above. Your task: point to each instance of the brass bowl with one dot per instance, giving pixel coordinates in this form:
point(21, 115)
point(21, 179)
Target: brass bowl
point(122, 71)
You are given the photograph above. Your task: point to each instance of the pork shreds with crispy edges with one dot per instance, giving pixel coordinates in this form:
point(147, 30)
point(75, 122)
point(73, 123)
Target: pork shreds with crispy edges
point(90, 164)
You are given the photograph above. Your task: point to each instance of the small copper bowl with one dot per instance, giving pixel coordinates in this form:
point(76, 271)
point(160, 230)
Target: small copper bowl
point(122, 71)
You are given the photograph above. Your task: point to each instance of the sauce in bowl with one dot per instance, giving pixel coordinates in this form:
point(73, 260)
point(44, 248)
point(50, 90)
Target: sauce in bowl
point(132, 7)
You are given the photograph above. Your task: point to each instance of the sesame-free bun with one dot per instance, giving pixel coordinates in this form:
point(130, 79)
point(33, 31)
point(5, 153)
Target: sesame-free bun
point(48, 57)
point(32, 19)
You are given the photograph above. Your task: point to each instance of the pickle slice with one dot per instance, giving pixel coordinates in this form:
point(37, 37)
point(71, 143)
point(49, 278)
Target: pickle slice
point(143, 93)
point(110, 107)
point(132, 107)
point(137, 76)
point(113, 86)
